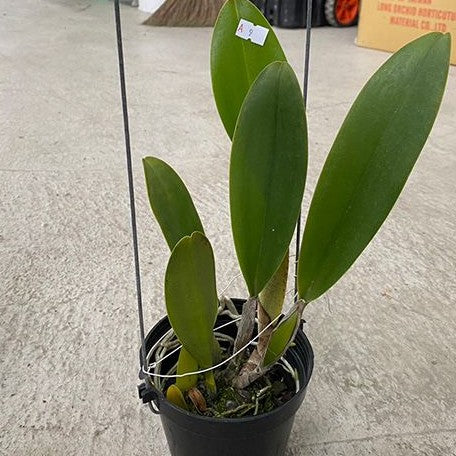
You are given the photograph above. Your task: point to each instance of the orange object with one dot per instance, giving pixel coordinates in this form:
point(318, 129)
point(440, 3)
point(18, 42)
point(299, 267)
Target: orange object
point(346, 11)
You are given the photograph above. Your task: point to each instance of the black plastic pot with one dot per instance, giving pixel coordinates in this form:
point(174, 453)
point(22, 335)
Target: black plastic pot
point(261, 435)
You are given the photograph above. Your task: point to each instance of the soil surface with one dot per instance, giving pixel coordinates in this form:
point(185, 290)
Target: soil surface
point(267, 393)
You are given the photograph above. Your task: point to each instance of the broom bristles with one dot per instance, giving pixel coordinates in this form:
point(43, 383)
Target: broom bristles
point(186, 13)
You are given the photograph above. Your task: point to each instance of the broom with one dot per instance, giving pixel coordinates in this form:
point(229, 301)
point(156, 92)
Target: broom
point(186, 13)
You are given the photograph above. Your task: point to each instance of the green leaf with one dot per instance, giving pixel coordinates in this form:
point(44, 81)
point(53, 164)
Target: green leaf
point(191, 296)
point(371, 160)
point(177, 216)
point(175, 396)
point(170, 201)
point(210, 382)
point(281, 339)
point(267, 173)
point(185, 364)
point(273, 295)
point(235, 62)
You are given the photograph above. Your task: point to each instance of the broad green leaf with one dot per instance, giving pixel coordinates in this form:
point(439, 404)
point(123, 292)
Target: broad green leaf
point(267, 173)
point(191, 296)
point(235, 62)
point(185, 364)
point(281, 339)
point(371, 159)
point(175, 212)
point(170, 201)
point(273, 295)
point(175, 396)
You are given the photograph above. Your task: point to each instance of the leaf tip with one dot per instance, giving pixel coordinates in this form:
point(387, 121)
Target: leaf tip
point(175, 396)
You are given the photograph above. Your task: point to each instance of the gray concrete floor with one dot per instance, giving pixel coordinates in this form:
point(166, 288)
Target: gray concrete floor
point(384, 337)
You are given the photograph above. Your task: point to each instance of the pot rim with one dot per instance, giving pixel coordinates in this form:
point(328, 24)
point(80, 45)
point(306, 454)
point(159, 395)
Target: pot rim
point(303, 382)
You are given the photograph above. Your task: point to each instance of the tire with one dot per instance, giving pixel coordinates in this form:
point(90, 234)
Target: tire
point(342, 13)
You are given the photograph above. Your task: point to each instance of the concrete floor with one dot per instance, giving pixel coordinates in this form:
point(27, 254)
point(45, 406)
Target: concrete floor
point(384, 337)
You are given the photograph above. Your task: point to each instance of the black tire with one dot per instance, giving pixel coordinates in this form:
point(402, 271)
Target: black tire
point(330, 14)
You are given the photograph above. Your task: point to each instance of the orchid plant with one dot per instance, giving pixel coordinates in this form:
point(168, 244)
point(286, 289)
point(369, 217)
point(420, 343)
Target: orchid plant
point(261, 107)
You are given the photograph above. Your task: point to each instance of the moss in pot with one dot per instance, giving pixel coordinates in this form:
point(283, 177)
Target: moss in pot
point(219, 375)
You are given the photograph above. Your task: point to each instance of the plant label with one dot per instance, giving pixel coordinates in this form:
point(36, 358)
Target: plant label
point(255, 33)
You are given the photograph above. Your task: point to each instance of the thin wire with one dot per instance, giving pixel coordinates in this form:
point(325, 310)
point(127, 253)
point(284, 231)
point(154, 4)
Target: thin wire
point(131, 189)
point(156, 363)
point(305, 92)
point(202, 371)
point(209, 369)
point(229, 284)
point(307, 56)
point(235, 319)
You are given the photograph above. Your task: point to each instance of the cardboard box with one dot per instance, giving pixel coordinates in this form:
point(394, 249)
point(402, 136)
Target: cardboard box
point(390, 24)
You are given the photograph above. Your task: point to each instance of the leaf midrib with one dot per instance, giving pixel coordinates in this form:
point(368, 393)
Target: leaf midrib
point(270, 173)
point(201, 296)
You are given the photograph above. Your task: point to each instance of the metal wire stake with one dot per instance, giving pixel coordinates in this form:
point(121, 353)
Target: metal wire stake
point(305, 92)
point(131, 189)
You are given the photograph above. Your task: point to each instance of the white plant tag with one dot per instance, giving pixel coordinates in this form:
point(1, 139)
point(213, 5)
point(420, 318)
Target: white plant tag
point(255, 33)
